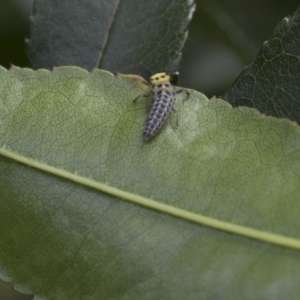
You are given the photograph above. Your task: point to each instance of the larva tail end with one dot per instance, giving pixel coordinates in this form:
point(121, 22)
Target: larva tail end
point(146, 136)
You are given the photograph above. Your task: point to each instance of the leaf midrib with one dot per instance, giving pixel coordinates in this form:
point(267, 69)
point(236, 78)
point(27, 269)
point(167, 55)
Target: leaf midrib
point(262, 236)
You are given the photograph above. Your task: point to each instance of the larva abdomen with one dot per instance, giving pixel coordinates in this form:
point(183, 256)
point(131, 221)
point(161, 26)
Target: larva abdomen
point(163, 96)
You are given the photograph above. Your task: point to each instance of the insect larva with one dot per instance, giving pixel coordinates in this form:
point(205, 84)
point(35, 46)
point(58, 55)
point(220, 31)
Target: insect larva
point(163, 94)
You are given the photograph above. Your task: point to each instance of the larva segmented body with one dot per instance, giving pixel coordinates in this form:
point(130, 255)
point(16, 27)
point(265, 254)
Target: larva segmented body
point(163, 96)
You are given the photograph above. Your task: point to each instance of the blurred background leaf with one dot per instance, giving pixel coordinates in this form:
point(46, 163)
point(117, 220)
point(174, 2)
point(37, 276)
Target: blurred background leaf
point(213, 55)
point(129, 36)
point(271, 83)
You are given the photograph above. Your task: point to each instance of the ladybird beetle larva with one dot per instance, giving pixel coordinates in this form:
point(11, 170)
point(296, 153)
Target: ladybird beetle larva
point(163, 92)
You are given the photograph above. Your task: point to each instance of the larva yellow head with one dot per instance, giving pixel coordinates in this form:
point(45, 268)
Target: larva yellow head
point(159, 78)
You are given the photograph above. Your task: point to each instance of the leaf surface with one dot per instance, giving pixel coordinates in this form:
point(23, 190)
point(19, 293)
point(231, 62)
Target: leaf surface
point(271, 83)
point(128, 36)
point(90, 211)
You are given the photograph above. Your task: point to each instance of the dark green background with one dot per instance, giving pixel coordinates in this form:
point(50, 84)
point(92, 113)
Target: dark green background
point(224, 36)
point(211, 58)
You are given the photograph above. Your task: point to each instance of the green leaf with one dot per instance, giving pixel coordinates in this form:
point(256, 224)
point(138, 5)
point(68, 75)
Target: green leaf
point(271, 83)
point(89, 211)
point(69, 33)
point(127, 36)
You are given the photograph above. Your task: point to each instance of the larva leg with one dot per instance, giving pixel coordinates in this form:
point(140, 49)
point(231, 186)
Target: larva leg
point(174, 111)
point(140, 96)
point(183, 90)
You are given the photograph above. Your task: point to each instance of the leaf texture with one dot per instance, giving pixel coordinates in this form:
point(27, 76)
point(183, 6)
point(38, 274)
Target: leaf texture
point(61, 238)
point(271, 83)
point(142, 37)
